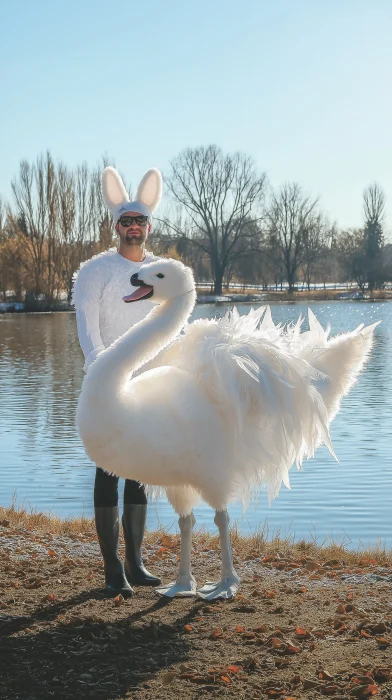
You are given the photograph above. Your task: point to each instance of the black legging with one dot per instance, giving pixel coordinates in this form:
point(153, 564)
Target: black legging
point(106, 491)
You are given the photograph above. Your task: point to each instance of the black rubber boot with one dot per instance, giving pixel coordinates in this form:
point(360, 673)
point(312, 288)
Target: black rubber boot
point(134, 523)
point(108, 531)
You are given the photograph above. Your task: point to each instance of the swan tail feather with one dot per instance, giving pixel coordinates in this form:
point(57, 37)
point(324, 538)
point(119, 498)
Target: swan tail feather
point(340, 361)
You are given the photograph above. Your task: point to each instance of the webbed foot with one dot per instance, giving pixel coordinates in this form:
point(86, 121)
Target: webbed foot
point(183, 587)
point(224, 589)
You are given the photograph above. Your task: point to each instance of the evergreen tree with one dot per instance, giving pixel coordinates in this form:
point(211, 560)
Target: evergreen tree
point(374, 205)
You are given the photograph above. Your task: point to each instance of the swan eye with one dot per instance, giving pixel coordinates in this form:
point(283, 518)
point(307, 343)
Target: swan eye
point(160, 275)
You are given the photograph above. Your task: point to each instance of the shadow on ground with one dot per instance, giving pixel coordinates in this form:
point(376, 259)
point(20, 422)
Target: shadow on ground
point(82, 657)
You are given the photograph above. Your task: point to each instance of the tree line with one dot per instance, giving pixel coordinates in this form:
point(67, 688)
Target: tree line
point(221, 217)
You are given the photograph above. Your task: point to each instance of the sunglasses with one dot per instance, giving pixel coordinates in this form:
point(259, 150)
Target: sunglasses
point(127, 221)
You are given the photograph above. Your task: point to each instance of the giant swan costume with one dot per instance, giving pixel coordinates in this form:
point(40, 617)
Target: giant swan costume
point(212, 412)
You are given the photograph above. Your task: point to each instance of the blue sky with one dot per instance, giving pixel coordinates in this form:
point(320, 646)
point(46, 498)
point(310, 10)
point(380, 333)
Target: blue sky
point(304, 86)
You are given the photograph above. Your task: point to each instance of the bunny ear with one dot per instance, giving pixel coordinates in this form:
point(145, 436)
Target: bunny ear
point(113, 190)
point(149, 191)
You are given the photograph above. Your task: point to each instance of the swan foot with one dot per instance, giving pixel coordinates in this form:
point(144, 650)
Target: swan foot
point(224, 589)
point(184, 587)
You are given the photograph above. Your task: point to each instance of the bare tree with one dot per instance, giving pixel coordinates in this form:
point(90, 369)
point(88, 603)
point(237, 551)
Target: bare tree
point(316, 245)
point(3, 241)
point(74, 220)
point(256, 267)
point(292, 219)
point(35, 198)
point(374, 213)
point(352, 256)
point(222, 196)
point(11, 268)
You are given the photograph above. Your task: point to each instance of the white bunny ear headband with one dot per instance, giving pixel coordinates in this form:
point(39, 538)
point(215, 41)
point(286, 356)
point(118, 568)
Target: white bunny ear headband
point(116, 198)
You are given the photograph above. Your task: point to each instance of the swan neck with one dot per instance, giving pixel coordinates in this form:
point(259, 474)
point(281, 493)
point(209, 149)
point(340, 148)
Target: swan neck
point(143, 341)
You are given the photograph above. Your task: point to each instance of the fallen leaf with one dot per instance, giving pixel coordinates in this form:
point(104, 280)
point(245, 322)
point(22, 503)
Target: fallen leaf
point(383, 641)
point(167, 541)
point(312, 565)
point(365, 634)
point(50, 598)
point(216, 634)
point(234, 669)
point(270, 594)
point(293, 650)
point(184, 668)
point(302, 633)
point(362, 680)
point(274, 692)
point(276, 643)
point(188, 628)
point(373, 689)
point(325, 676)
point(169, 677)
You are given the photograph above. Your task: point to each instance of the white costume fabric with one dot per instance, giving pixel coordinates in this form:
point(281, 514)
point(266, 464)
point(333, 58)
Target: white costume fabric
point(101, 283)
point(101, 314)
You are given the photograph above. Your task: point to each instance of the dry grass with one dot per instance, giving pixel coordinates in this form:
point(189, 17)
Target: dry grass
point(258, 543)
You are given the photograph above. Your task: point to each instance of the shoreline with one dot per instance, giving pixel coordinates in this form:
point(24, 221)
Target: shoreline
point(81, 528)
point(205, 297)
point(11, 308)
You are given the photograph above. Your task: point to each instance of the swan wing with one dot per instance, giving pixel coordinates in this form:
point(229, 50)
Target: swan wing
point(266, 396)
point(276, 388)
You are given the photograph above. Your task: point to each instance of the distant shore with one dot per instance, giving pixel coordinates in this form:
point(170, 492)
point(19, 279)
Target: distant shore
point(230, 297)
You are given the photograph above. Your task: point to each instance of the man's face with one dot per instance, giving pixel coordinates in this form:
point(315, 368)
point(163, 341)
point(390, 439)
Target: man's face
point(132, 233)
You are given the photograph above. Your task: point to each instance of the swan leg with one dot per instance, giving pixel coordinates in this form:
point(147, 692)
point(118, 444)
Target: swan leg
point(185, 585)
point(229, 584)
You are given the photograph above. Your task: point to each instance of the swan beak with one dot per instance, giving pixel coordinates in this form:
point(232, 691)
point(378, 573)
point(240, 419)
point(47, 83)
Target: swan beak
point(144, 292)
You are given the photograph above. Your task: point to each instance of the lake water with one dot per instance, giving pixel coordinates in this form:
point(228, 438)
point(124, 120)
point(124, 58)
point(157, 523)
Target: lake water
point(44, 465)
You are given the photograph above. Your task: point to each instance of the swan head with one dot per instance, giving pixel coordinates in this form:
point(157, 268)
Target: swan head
point(161, 281)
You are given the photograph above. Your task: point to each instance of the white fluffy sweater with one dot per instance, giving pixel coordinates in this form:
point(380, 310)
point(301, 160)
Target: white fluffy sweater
point(101, 314)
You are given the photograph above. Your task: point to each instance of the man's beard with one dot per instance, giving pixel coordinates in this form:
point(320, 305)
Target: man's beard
point(133, 240)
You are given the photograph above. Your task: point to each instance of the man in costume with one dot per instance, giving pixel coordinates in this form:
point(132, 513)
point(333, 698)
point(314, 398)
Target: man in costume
point(102, 317)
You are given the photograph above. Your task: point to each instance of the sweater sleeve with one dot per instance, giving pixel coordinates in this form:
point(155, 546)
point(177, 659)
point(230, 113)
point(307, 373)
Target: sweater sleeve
point(87, 291)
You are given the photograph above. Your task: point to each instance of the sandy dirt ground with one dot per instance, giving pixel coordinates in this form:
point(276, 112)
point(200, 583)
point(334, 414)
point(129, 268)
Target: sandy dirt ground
point(302, 626)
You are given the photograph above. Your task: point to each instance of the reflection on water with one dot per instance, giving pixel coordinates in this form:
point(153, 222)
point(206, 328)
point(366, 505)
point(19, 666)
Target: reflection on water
point(43, 461)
